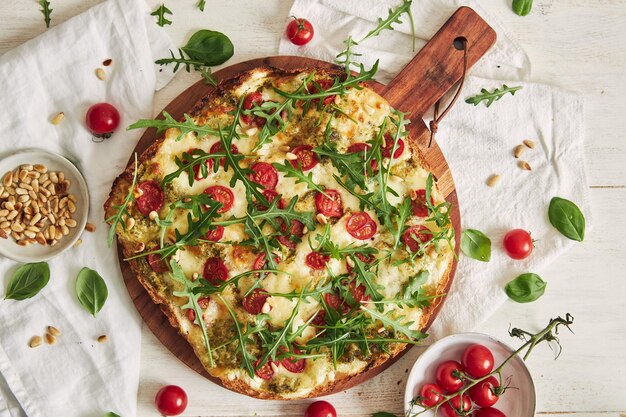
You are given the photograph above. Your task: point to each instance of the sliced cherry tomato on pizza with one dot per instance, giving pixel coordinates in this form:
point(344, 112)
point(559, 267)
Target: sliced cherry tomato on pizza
point(197, 172)
point(294, 365)
point(299, 31)
point(270, 196)
point(320, 318)
point(324, 85)
point(329, 204)
point(444, 375)
point(215, 271)
point(264, 372)
point(365, 149)
point(217, 148)
point(518, 244)
point(332, 300)
point(368, 259)
point(261, 263)
point(248, 103)
point(386, 148)
point(430, 395)
point(264, 174)
point(357, 291)
point(222, 195)
point(157, 264)
point(214, 235)
point(317, 260)
point(307, 159)
point(191, 315)
point(152, 197)
point(460, 403)
point(289, 238)
point(203, 303)
point(416, 235)
point(477, 360)
point(419, 206)
point(488, 412)
point(253, 302)
point(361, 226)
point(486, 393)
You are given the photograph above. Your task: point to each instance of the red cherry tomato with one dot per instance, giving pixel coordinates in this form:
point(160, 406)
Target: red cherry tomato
point(363, 147)
point(102, 119)
point(248, 103)
point(386, 149)
point(449, 408)
point(289, 238)
point(264, 372)
point(171, 400)
point(488, 412)
point(316, 260)
point(264, 174)
point(445, 378)
point(415, 235)
point(320, 409)
point(430, 395)
point(329, 207)
point(215, 271)
point(191, 315)
point(323, 86)
point(306, 157)
point(518, 244)
point(485, 393)
point(270, 196)
point(320, 318)
point(151, 199)
point(260, 261)
point(157, 264)
point(477, 360)
point(358, 292)
point(214, 235)
point(222, 195)
point(253, 302)
point(197, 171)
point(332, 300)
point(299, 31)
point(217, 148)
point(419, 206)
point(361, 226)
point(294, 365)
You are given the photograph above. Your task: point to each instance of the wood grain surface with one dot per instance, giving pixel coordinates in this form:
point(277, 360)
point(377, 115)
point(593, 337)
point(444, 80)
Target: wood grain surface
point(433, 71)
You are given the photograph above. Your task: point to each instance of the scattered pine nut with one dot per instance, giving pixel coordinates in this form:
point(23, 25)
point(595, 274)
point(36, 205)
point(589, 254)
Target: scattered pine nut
point(57, 118)
point(493, 180)
point(153, 215)
point(100, 74)
point(53, 331)
point(103, 338)
point(525, 166)
point(529, 143)
point(321, 218)
point(35, 341)
point(78, 243)
point(291, 156)
point(130, 223)
point(50, 339)
point(519, 150)
point(107, 62)
point(90, 227)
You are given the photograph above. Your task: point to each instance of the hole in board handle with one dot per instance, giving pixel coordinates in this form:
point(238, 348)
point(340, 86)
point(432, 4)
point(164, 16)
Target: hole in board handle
point(460, 43)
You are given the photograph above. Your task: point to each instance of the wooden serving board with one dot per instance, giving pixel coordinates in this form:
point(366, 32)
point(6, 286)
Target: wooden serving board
point(431, 73)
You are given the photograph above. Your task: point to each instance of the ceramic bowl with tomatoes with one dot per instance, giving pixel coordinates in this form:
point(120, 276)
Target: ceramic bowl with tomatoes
point(475, 354)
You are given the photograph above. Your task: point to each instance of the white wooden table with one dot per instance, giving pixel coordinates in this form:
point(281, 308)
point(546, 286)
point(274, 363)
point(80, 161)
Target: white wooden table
point(576, 44)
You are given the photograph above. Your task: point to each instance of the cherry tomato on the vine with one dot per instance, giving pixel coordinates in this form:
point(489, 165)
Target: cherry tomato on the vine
point(171, 400)
point(518, 244)
point(320, 409)
point(445, 378)
point(449, 408)
point(485, 393)
point(299, 31)
point(488, 412)
point(102, 119)
point(477, 360)
point(431, 395)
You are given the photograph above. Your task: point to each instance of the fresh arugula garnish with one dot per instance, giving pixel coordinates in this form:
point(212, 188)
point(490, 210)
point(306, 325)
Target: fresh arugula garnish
point(46, 11)
point(490, 97)
point(201, 5)
point(348, 164)
point(242, 338)
point(168, 122)
point(326, 246)
point(392, 18)
point(300, 177)
point(189, 161)
point(160, 13)
point(206, 288)
point(192, 203)
point(398, 326)
point(366, 277)
point(122, 210)
point(189, 286)
point(344, 58)
point(404, 211)
point(413, 293)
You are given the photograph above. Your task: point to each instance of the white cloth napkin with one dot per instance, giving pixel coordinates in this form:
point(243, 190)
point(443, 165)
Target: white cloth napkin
point(56, 72)
point(477, 142)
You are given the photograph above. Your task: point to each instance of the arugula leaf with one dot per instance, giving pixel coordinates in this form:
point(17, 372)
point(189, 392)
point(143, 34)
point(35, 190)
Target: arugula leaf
point(122, 210)
point(194, 203)
point(567, 218)
point(189, 161)
point(383, 414)
point(413, 293)
point(404, 212)
point(27, 281)
point(111, 414)
point(393, 17)
point(178, 275)
point(395, 324)
point(366, 277)
point(476, 245)
point(326, 246)
point(160, 13)
point(525, 288)
point(522, 7)
point(246, 357)
point(201, 5)
point(46, 11)
point(168, 122)
point(91, 290)
point(344, 58)
point(297, 173)
point(495, 95)
point(348, 164)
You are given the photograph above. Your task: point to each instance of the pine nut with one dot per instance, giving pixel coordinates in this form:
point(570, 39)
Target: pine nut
point(103, 338)
point(529, 143)
point(71, 206)
point(40, 239)
point(101, 74)
point(493, 180)
point(291, 156)
point(35, 341)
point(53, 331)
point(78, 243)
point(130, 223)
point(321, 218)
point(70, 222)
point(525, 166)
point(50, 339)
point(518, 151)
point(57, 118)
point(90, 227)
point(7, 180)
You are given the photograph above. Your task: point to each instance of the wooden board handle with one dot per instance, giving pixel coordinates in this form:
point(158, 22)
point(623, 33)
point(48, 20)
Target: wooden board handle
point(439, 65)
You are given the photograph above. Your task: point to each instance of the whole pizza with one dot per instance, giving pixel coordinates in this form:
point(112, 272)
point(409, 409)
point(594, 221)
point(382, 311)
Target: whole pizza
point(288, 227)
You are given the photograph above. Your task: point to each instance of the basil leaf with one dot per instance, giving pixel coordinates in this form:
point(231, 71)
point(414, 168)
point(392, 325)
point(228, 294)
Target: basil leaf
point(383, 414)
point(209, 47)
point(567, 218)
point(522, 7)
point(91, 290)
point(476, 245)
point(525, 288)
point(27, 281)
